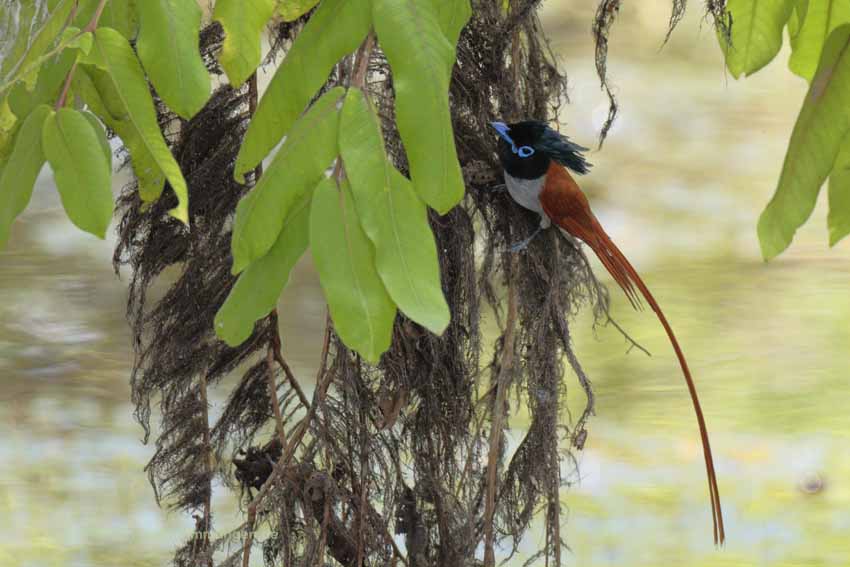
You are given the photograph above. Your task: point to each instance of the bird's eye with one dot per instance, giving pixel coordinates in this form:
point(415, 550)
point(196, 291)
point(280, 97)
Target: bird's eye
point(525, 151)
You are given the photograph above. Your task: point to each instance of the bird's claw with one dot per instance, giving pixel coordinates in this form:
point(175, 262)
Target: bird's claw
point(523, 244)
point(519, 246)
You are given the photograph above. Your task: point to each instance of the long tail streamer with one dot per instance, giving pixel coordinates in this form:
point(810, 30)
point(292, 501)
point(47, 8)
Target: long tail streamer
point(627, 277)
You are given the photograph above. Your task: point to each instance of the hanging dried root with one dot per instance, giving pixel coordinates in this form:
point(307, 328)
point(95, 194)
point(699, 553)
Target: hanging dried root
point(409, 447)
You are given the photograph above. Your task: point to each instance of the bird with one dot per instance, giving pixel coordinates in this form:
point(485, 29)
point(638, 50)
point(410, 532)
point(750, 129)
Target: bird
point(537, 161)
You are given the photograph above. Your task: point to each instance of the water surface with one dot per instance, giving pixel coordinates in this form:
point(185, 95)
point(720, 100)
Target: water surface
point(680, 184)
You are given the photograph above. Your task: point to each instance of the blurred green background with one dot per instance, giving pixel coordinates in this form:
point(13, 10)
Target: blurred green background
point(691, 161)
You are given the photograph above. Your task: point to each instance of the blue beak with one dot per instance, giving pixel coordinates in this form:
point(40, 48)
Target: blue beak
point(503, 130)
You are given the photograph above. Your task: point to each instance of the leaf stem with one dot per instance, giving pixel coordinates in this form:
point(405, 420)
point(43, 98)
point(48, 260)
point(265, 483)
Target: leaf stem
point(90, 27)
point(60, 102)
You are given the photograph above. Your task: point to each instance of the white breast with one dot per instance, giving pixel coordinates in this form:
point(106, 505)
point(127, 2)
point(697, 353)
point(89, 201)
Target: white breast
point(526, 192)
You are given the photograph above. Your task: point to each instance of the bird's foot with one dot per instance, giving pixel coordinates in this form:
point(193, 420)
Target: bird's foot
point(519, 246)
point(500, 188)
point(523, 244)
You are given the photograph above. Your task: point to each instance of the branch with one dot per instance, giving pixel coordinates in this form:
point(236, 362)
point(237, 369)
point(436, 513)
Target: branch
point(205, 539)
point(270, 374)
point(322, 384)
point(323, 379)
point(90, 27)
point(502, 383)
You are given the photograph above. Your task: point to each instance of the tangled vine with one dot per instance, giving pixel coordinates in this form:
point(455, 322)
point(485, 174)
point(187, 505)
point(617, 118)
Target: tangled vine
point(409, 450)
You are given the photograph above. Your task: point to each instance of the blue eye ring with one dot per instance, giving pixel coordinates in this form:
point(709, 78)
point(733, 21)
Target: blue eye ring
point(525, 151)
point(502, 129)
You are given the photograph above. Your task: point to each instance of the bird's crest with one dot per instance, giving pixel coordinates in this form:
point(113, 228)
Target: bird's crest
point(559, 148)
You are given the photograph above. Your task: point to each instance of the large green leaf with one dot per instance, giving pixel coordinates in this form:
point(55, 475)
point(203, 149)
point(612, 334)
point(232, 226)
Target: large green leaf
point(393, 217)
point(82, 173)
point(452, 16)
point(756, 34)
point(334, 30)
point(256, 292)
point(168, 47)
point(815, 142)
point(119, 15)
point(26, 68)
point(126, 82)
point(9, 125)
point(47, 88)
point(798, 16)
point(243, 22)
point(821, 18)
point(98, 91)
point(362, 311)
point(18, 176)
point(309, 149)
point(422, 59)
point(838, 219)
point(290, 10)
point(101, 137)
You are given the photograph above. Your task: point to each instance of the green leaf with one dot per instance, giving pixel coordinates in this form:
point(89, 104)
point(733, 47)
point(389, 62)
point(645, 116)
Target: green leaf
point(453, 16)
point(9, 125)
point(756, 34)
point(256, 291)
point(300, 164)
point(243, 22)
point(290, 10)
point(26, 68)
point(125, 81)
point(168, 48)
point(74, 38)
point(51, 77)
point(82, 173)
point(120, 15)
point(821, 18)
point(99, 92)
point(18, 176)
point(362, 311)
point(393, 217)
point(838, 219)
point(334, 30)
point(798, 16)
point(815, 142)
point(101, 137)
point(422, 59)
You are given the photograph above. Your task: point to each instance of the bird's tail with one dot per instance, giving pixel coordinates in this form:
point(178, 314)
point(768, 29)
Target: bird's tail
point(628, 279)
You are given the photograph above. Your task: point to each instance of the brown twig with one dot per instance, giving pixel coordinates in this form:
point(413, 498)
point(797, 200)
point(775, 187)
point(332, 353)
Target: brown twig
point(270, 373)
point(326, 517)
point(323, 378)
point(287, 371)
point(205, 538)
point(322, 383)
point(66, 87)
point(364, 481)
point(90, 27)
point(503, 381)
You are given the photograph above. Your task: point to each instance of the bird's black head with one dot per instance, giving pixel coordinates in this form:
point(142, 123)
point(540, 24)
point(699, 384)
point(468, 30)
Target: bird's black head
point(526, 149)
